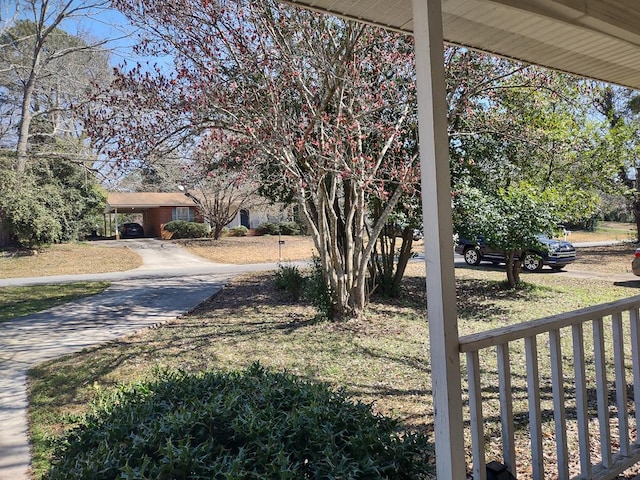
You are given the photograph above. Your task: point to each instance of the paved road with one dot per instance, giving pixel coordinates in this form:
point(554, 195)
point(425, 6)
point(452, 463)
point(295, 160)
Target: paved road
point(170, 282)
point(160, 259)
point(624, 279)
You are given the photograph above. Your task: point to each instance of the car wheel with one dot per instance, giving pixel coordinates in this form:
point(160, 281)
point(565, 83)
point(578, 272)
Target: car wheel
point(532, 262)
point(472, 256)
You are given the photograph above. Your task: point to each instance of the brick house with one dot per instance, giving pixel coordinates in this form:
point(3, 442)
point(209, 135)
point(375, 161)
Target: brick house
point(159, 208)
point(156, 208)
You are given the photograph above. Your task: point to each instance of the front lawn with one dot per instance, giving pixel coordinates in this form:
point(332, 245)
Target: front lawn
point(383, 359)
point(67, 259)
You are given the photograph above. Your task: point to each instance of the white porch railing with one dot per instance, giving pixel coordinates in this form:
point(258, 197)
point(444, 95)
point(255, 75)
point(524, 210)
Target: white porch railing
point(587, 362)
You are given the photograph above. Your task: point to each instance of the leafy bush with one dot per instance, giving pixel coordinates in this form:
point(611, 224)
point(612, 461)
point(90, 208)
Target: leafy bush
point(249, 425)
point(47, 202)
point(289, 228)
point(269, 228)
point(239, 231)
point(284, 228)
point(317, 291)
point(182, 229)
point(289, 279)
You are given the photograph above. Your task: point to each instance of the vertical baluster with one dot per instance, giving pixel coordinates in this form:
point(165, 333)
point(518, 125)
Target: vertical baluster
point(581, 400)
point(621, 383)
point(635, 356)
point(506, 408)
point(602, 391)
point(559, 414)
point(535, 414)
point(477, 422)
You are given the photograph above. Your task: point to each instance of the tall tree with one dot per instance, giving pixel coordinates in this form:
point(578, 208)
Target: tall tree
point(43, 70)
point(46, 185)
point(528, 151)
point(512, 123)
point(319, 103)
point(620, 109)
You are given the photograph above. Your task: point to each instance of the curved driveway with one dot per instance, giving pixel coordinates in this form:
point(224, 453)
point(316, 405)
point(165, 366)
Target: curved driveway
point(170, 282)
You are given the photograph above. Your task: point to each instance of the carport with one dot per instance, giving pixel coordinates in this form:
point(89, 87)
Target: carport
point(598, 39)
point(157, 208)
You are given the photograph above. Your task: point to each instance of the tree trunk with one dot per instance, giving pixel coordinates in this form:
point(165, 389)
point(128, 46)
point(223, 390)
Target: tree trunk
point(513, 269)
point(387, 274)
point(340, 236)
point(403, 259)
point(25, 116)
point(517, 267)
point(636, 216)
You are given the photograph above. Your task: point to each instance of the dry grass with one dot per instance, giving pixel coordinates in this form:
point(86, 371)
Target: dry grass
point(260, 249)
point(246, 250)
point(625, 232)
point(94, 257)
point(381, 359)
point(613, 259)
point(67, 259)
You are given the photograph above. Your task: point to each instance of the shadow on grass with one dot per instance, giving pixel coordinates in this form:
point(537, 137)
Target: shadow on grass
point(628, 283)
point(24, 300)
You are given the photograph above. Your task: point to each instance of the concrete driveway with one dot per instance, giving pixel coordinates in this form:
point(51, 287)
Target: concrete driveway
point(170, 282)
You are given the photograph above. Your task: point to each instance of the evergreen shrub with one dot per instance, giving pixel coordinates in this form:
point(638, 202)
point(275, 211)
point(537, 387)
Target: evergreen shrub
point(182, 229)
point(290, 280)
point(244, 425)
point(289, 228)
point(239, 231)
point(269, 228)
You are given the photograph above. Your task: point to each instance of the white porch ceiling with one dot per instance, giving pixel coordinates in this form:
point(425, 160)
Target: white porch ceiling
point(598, 39)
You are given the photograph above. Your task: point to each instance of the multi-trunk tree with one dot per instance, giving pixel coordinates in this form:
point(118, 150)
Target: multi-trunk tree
point(318, 107)
point(218, 184)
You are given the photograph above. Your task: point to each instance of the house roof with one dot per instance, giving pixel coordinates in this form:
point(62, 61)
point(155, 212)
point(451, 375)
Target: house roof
point(598, 39)
point(144, 200)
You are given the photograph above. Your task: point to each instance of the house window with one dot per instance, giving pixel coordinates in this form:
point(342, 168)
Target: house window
point(183, 213)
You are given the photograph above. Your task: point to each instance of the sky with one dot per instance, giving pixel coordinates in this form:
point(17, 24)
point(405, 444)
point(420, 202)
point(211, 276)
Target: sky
point(109, 25)
point(105, 24)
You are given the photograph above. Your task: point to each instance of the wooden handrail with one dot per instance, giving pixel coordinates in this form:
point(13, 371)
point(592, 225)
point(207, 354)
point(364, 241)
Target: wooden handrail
point(502, 335)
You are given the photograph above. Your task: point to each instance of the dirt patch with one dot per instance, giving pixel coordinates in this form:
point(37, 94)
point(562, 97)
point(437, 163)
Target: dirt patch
point(615, 259)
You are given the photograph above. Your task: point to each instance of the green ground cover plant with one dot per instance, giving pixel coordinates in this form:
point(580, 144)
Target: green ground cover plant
point(19, 301)
point(253, 424)
point(382, 359)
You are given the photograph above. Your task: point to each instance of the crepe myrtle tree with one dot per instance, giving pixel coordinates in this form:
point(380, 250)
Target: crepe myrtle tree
point(508, 220)
point(319, 104)
point(219, 186)
point(394, 248)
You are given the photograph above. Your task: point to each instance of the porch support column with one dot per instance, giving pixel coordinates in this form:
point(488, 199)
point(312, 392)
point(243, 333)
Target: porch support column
point(117, 231)
point(436, 207)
